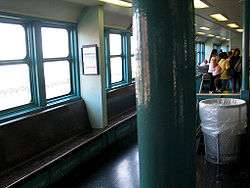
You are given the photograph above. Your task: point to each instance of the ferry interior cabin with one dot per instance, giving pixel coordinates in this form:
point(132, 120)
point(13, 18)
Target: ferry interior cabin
point(124, 94)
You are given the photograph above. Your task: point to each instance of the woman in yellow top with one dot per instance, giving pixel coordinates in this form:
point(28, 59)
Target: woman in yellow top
point(225, 70)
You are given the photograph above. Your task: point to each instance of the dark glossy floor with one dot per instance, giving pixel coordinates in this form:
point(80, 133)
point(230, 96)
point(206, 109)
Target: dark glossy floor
point(119, 169)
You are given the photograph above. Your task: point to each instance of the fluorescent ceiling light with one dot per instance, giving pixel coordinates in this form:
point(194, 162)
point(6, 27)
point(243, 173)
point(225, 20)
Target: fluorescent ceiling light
point(228, 39)
point(240, 30)
point(218, 37)
point(224, 38)
point(199, 4)
point(210, 35)
point(205, 28)
point(200, 33)
point(233, 25)
point(218, 17)
point(118, 3)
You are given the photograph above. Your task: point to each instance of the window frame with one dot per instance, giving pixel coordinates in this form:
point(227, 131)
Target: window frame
point(217, 46)
point(200, 52)
point(126, 58)
point(26, 60)
point(67, 58)
point(130, 59)
point(34, 59)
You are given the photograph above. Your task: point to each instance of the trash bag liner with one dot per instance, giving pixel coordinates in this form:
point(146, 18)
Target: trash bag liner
point(223, 121)
point(223, 115)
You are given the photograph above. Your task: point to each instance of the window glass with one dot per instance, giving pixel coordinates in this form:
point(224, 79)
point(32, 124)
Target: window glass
point(116, 69)
point(200, 52)
point(55, 42)
point(133, 45)
point(12, 41)
point(15, 86)
point(115, 43)
point(57, 78)
point(197, 58)
point(133, 51)
point(133, 66)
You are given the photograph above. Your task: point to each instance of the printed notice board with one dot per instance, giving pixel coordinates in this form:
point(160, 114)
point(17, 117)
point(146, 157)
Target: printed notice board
point(90, 59)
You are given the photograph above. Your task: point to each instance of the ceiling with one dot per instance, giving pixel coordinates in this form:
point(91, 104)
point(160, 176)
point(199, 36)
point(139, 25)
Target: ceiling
point(107, 7)
point(229, 8)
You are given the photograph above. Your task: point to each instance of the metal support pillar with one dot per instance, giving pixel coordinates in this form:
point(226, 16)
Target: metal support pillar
point(166, 97)
point(245, 48)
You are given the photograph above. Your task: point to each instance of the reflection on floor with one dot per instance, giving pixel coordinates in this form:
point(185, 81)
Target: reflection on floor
point(119, 169)
point(215, 176)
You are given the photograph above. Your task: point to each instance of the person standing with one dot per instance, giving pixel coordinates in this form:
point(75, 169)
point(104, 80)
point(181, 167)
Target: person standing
point(235, 70)
point(225, 70)
point(216, 75)
point(212, 64)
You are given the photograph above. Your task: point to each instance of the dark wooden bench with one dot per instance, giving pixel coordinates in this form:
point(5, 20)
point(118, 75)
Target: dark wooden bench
point(40, 149)
point(25, 139)
point(121, 102)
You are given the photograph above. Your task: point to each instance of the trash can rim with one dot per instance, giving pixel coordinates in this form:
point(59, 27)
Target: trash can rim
point(241, 103)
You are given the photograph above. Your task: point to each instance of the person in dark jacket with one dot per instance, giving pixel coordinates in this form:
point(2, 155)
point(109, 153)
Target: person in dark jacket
point(235, 70)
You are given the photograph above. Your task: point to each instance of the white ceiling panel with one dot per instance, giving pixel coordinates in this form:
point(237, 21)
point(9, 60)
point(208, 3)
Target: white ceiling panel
point(230, 8)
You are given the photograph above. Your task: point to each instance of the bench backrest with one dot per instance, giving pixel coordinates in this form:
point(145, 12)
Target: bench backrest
point(121, 101)
point(25, 138)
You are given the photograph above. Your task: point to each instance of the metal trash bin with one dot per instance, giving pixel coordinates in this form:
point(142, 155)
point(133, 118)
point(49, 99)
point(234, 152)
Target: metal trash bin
point(223, 121)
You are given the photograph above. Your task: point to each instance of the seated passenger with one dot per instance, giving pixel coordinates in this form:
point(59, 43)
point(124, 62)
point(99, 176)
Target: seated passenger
point(204, 63)
point(225, 70)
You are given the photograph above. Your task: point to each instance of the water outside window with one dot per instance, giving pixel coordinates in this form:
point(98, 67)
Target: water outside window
point(133, 58)
point(12, 42)
point(14, 77)
point(14, 86)
point(116, 69)
point(115, 42)
point(55, 42)
point(57, 78)
point(57, 73)
point(133, 66)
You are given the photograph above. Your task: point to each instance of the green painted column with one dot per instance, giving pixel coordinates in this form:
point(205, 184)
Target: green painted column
point(245, 46)
point(165, 88)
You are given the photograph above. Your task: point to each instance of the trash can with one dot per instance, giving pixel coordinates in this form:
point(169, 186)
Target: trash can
point(223, 121)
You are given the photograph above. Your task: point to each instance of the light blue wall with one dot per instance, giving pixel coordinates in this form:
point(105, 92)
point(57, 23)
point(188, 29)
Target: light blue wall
point(209, 46)
point(49, 9)
point(91, 31)
point(236, 40)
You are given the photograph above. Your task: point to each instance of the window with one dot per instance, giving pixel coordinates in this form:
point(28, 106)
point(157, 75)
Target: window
point(217, 47)
point(133, 61)
point(14, 67)
point(116, 58)
point(119, 58)
point(38, 66)
point(55, 46)
point(57, 78)
point(200, 52)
